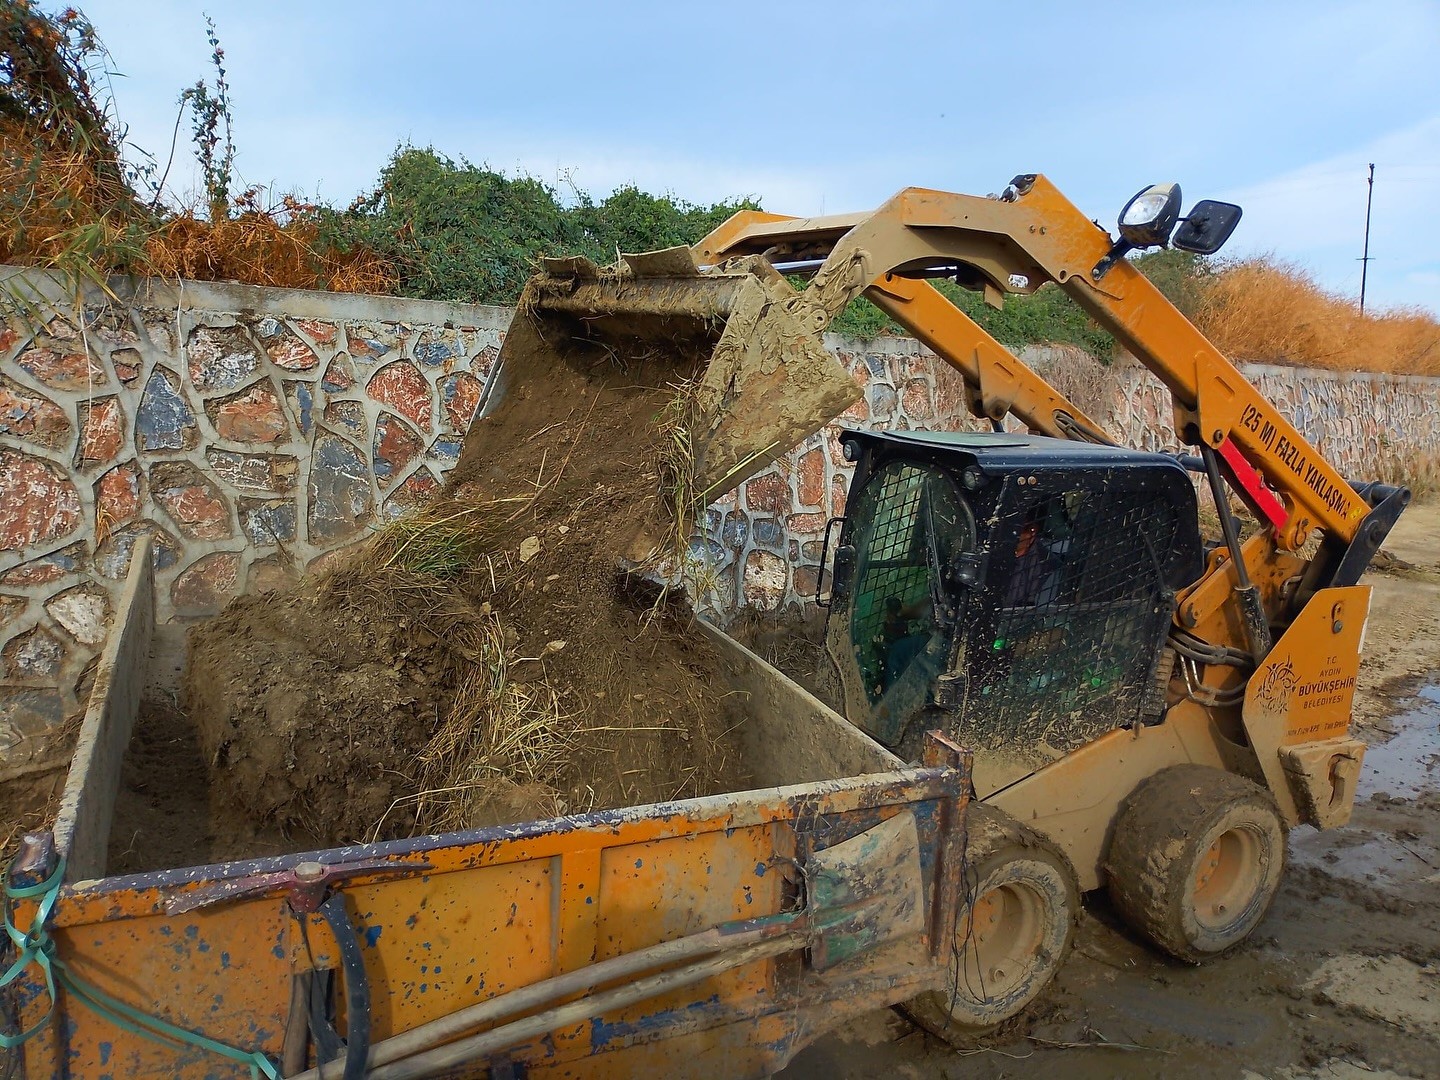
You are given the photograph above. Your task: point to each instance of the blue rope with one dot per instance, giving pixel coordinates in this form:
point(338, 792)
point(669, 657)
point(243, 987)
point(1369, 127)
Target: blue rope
point(36, 946)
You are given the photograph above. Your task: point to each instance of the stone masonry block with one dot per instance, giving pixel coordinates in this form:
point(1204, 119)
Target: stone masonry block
point(419, 487)
point(117, 497)
point(47, 568)
point(165, 420)
point(341, 501)
point(102, 432)
point(768, 492)
point(301, 398)
point(401, 386)
point(369, 342)
point(28, 713)
point(444, 451)
point(339, 375)
point(806, 524)
point(206, 584)
point(251, 416)
point(810, 478)
point(883, 401)
point(63, 369)
point(277, 473)
point(26, 414)
point(41, 503)
point(396, 446)
point(112, 556)
point(287, 350)
point(766, 577)
point(198, 508)
point(347, 415)
point(128, 364)
point(806, 580)
point(267, 522)
point(483, 362)
point(917, 401)
point(33, 655)
point(736, 530)
point(460, 396)
point(767, 531)
point(435, 348)
point(11, 608)
point(83, 612)
point(318, 331)
point(220, 357)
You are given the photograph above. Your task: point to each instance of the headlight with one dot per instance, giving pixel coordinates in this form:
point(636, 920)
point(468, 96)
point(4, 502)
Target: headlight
point(1150, 216)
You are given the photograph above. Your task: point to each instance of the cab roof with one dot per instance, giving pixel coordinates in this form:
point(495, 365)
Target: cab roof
point(1002, 451)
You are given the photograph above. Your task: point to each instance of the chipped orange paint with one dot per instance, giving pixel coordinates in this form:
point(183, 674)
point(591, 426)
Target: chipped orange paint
point(500, 909)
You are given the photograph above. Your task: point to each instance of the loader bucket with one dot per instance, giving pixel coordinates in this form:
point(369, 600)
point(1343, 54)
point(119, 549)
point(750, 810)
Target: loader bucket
point(739, 337)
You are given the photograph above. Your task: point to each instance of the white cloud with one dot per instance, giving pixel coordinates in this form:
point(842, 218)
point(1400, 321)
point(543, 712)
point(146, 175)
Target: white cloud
point(1315, 215)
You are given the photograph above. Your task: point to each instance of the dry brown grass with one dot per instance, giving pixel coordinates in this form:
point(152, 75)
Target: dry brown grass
point(1267, 310)
point(68, 210)
point(279, 247)
point(67, 204)
point(65, 207)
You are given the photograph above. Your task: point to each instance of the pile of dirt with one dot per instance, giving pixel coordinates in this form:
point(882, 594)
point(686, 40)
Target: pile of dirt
point(32, 782)
point(489, 659)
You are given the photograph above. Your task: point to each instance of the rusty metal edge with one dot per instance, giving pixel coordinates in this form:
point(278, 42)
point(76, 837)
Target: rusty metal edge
point(143, 894)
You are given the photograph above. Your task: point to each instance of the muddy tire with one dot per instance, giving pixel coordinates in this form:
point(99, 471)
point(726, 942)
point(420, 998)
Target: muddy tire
point(1196, 860)
point(1016, 924)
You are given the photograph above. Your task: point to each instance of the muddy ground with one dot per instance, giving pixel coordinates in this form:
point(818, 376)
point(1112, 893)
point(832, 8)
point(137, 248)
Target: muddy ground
point(1343, 978)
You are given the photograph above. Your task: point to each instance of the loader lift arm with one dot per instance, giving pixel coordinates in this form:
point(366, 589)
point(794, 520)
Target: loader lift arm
point(1032, 235)
point(1038, 235)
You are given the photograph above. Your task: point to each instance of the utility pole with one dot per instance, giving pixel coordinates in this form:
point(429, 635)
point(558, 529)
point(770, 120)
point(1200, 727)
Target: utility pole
point(1365, 258)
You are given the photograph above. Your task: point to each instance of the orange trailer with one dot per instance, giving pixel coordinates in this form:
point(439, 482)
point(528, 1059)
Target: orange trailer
point(714, 936)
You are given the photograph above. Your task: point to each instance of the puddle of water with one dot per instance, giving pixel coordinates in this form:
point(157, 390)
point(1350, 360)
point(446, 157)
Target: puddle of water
point(1374, 858)
point(1410, 762)
point(1403, 768)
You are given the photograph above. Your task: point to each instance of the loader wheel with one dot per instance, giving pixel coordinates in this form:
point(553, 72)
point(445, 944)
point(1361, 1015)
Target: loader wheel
point(1196, 860)
point(1018, 911)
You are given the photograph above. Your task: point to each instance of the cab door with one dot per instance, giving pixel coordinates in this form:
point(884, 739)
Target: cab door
point(889, 634)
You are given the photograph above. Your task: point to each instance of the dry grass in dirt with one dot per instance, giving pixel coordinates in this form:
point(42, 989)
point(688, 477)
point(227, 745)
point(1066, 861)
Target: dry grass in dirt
point(30, 789)
point(1266, 310)
point(68, 209)
point(488, 659)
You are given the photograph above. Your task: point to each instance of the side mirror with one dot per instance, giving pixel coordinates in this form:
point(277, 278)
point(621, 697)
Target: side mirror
point(1208, 227)
point(842, 572)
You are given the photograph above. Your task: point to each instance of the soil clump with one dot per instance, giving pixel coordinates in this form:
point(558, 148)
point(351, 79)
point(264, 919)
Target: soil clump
point(490, 658)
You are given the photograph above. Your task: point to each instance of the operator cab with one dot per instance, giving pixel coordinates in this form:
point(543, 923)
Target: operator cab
point(1015, 591)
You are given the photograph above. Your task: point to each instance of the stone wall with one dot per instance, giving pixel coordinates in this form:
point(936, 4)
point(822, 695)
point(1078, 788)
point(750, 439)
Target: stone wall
point(250, 432)
point(254, 432)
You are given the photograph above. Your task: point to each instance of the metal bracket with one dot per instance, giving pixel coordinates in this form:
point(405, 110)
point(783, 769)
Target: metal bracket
point(306, 884)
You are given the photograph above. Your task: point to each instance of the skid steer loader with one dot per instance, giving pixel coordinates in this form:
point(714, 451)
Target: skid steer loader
point(1150, 712)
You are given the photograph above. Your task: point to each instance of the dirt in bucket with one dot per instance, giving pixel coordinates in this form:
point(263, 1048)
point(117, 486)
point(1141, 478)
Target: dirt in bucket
point(488, 659)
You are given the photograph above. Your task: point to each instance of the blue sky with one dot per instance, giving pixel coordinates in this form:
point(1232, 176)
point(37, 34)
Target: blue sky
point(827, 107)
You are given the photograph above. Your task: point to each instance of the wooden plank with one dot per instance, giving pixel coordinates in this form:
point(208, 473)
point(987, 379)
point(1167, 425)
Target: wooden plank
point(82, 829)
point(789, 735)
